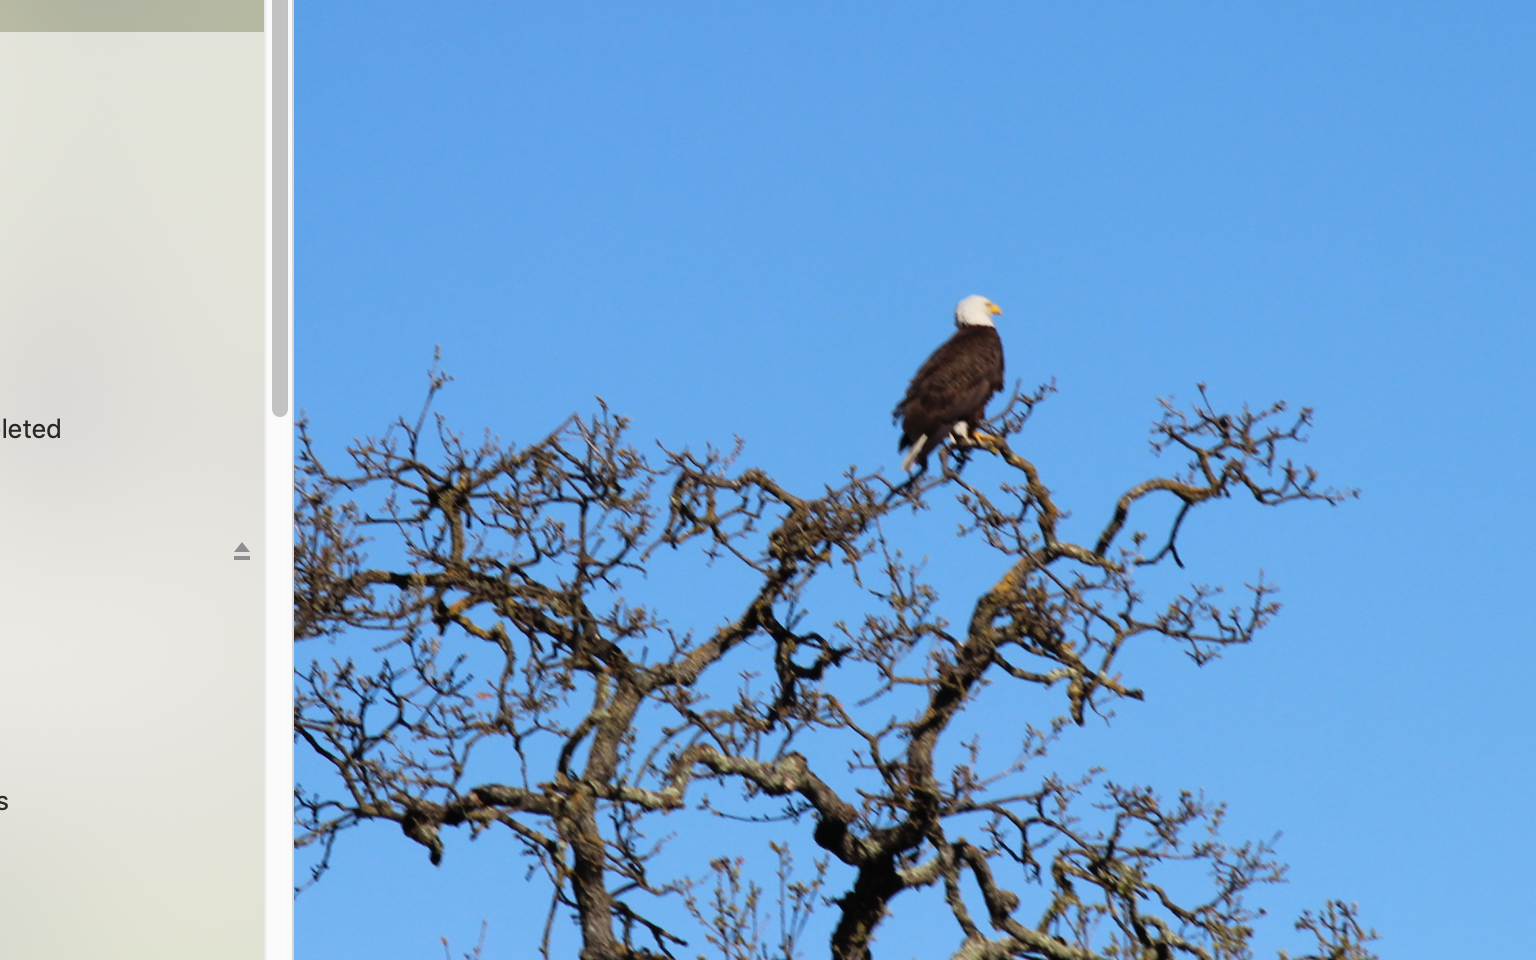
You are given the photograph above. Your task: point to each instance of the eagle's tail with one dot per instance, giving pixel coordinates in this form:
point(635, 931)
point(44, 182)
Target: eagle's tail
point(918, 451)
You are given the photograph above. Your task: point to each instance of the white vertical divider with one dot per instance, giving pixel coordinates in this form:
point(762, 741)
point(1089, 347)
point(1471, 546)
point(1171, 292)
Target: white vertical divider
point(278, 883)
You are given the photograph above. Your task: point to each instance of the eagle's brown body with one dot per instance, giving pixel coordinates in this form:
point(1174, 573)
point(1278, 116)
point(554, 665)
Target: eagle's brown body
point(951, 388)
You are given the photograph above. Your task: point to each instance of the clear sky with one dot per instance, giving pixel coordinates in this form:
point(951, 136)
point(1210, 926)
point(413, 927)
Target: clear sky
point(756, 221)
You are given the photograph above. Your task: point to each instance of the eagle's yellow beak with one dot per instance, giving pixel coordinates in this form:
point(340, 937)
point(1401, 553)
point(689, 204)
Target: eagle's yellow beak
point(994, 308)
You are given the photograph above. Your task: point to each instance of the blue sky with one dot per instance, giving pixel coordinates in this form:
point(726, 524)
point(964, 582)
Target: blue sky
point(756, 222)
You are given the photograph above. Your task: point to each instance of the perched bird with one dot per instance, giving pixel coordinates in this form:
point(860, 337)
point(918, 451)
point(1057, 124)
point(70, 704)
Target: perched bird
point(948, 395)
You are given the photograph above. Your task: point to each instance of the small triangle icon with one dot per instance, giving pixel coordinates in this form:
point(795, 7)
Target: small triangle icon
point(241, 549)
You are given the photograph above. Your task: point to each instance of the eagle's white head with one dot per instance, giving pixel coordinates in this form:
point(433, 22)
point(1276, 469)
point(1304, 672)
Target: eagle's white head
point(976, 311)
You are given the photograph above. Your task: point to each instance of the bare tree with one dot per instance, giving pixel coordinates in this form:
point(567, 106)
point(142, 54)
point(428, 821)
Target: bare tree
point(492, 668)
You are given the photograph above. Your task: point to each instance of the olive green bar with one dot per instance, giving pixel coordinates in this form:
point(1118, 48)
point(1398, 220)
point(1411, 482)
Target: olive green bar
point(131, 16)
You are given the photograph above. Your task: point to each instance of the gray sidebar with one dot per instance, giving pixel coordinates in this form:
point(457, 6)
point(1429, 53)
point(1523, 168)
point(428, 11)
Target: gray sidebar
point(280, 188)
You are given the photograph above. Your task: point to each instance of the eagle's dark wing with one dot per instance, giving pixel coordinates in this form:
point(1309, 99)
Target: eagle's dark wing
point(952, 386)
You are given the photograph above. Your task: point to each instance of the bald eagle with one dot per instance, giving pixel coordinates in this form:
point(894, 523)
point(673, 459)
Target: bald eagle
point(948, 395)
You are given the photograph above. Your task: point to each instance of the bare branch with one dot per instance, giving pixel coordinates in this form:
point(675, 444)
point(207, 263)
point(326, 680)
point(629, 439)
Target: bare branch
point(489, 665)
